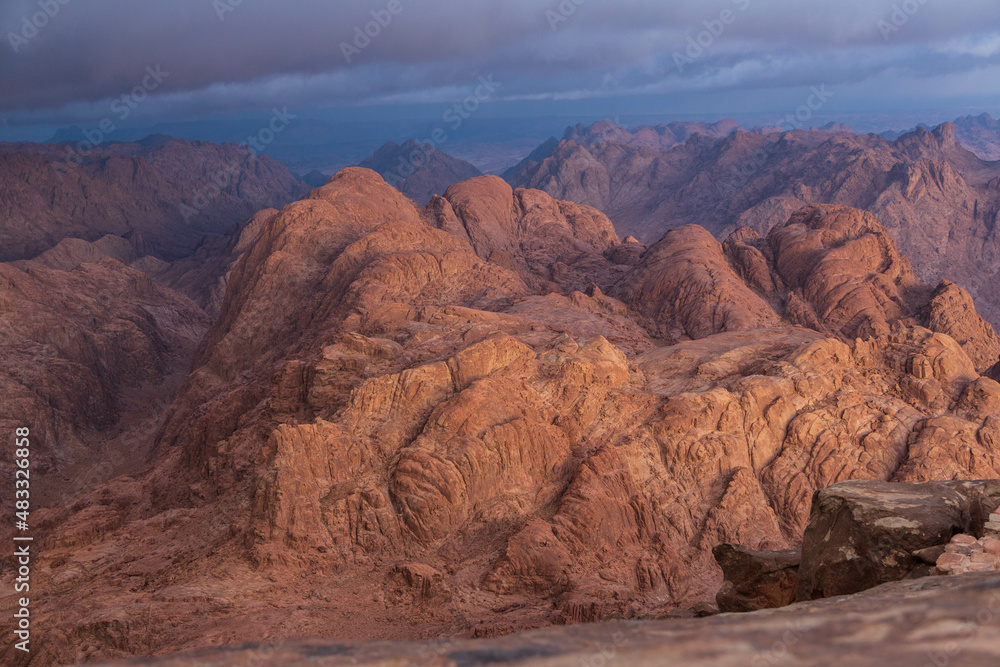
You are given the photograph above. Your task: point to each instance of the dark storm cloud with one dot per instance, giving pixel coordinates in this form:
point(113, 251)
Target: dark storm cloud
point(249, 54)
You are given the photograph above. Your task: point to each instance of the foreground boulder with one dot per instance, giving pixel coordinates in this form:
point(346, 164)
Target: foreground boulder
point(863, 533)
point(756, 579)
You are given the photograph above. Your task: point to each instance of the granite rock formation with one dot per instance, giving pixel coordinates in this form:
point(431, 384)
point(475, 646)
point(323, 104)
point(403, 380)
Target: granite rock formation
point(980, 134)
point(492, 414)
point(756, 579)
point(938, 201)
point(864, 533)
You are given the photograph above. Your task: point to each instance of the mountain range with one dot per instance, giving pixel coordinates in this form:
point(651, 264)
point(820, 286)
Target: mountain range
point(938, 200)
point(171, 191)
point(351, 416)
point(419, 171)
point(980, 134)
point(338, 412)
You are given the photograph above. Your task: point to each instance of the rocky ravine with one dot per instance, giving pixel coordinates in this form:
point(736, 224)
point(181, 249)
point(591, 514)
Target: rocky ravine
point(96, 342)
point(491, 414)
point(89, 357)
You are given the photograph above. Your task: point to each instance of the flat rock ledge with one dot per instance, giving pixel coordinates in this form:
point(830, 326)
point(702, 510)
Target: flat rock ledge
point(932, 620)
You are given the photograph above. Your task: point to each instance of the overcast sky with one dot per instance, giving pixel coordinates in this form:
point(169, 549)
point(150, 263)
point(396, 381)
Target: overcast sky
point(226, 56)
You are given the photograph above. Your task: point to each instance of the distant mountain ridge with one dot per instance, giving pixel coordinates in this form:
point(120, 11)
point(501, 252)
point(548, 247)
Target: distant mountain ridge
point(658, 137)
point(980, 134)
point(171, 190)
point(940, 201)
point(419, 171)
